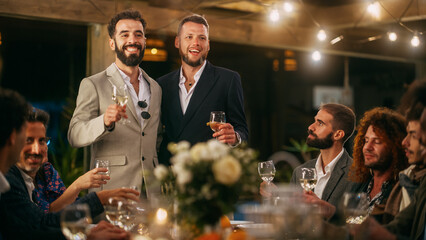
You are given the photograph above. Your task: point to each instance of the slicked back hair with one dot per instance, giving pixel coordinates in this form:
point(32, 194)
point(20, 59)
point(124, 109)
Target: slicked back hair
point(126, 14)
point(195, 19)
point(343, 118)
point(38, 115)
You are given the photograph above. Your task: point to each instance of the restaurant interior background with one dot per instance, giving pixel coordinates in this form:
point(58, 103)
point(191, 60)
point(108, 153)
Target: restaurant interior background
point(47, 47)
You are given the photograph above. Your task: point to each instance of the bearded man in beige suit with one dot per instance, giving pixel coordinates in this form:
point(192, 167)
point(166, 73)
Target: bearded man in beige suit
point(131, 147)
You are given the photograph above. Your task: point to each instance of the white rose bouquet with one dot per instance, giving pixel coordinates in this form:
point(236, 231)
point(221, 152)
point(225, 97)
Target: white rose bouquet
point(208, 179)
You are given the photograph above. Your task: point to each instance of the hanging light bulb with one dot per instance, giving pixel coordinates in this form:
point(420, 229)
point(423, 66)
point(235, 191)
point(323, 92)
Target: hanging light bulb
point(392, 36)
point(288, 7)
point(374, 9)
point(316, 56)
point(336, 40)
point(415, 41)
point(321, 35)
point(274, 15)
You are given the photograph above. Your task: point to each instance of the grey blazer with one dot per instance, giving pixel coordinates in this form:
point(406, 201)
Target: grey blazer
point(338, 182)
point(130, 149)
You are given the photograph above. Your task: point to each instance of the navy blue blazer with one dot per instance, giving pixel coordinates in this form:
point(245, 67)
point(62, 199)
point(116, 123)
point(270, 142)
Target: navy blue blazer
point(218, 89)
point(20, 218)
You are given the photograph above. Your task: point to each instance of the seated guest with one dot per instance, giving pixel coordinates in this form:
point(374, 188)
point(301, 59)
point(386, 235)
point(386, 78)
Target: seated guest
point(18, 205)
point(50, 193)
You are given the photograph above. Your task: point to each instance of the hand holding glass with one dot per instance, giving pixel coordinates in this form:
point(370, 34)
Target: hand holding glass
point(216, 119)
point(120, 97)
point(103, 164)
point(75, 220)
point(266, 171)
point(308, 178)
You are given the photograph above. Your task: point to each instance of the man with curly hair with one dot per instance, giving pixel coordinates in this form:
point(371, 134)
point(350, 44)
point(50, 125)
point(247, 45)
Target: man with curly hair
point(378, 157)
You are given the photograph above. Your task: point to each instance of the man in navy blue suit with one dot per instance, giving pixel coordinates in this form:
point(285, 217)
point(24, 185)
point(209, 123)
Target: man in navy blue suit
point(198, 88)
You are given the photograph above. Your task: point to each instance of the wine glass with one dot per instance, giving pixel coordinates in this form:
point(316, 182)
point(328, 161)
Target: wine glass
point(75, 220)
point(266, 171)
point(114, 210)
point(120, 97)
point(355, 207)
point(216, 119)
point(103, 164)
point(308, 179)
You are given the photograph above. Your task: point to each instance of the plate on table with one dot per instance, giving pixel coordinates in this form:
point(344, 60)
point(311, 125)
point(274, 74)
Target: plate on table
point(259, 230)
point(235, 223)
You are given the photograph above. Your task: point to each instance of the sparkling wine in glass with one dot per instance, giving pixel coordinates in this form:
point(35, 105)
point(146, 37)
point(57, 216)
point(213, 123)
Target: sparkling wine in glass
point(120, 97)
point(75, 220)
point(308, 179)
point(355, 207)
point(216, 119)
point(266, 171)
point(103, 164)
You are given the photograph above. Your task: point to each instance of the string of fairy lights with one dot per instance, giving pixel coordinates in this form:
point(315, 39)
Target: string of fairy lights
point(374, 9)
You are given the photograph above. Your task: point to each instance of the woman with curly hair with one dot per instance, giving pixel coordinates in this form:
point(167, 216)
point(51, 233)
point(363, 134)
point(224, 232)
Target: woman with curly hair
point(378, 157)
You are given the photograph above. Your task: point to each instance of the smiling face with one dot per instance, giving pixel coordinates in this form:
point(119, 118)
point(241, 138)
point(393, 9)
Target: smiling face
point(375, 151)
point(321, 131)
point(34, 150)
point(411, 143)
point(193, 44)
point(129, 42)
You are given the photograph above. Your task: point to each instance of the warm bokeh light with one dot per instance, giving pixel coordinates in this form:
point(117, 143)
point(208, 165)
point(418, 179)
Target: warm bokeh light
point(161, 215)
point(374, 9)
point(392, 36)
point(415, 41)
point(316, 56)
point(336, 40)
point(274, 15)
point(321, 35)
point(288, 7)
point(154, 51)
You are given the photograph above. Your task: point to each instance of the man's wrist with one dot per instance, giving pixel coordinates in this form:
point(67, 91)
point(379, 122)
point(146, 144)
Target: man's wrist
point(110, 127)
point(238, 140)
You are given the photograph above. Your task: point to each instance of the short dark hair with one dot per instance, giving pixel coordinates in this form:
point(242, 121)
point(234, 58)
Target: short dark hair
point(126, 14)
point(195, 18)
point(343, 118)
point(38, 115)
point(414, 100)
point(14, 113)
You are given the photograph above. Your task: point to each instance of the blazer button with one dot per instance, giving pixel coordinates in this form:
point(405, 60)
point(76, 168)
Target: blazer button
point(143, 134)
point(143, 158)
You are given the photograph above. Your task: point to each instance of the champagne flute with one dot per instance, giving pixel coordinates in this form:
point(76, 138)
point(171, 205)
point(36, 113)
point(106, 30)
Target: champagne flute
point(103, 164)
point(355, 207)
point(266, 171)
point(308, 178)
point(120, 97)
point(216, 119)
point(75, 220)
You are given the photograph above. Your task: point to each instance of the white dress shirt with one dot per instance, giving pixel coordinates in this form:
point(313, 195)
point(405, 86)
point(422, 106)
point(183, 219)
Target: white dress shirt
point(144, 93)
point(185, 96)
point(4, 184)
point(322, 178)
point(29, 183)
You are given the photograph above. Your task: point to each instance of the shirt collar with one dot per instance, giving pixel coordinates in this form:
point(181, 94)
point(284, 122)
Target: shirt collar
point(29, 183)
point(197, 75)
point(4, 184)
point(127, 78)
point(330, 166)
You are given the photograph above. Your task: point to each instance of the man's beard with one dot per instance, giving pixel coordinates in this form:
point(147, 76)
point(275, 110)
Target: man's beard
point(320, 143)
point(197, 63)
point(132, 60)
point(382, 164)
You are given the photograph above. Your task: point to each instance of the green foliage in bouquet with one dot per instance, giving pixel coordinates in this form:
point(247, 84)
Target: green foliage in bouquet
point(208, 179)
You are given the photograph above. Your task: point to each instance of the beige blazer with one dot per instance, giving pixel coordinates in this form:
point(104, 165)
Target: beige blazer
point(130, 149)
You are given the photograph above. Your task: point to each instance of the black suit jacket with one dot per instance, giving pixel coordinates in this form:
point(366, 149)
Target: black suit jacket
point(218, 89)
point(20, 218)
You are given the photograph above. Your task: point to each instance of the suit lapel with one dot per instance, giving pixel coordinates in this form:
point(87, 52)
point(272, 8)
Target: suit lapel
point(152, 101)
point(336, 175)
point(115, 78)
point(202, 89)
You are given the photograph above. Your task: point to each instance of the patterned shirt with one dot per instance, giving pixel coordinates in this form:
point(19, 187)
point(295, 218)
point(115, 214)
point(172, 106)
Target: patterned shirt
point(49, 186)
point(384, 192)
